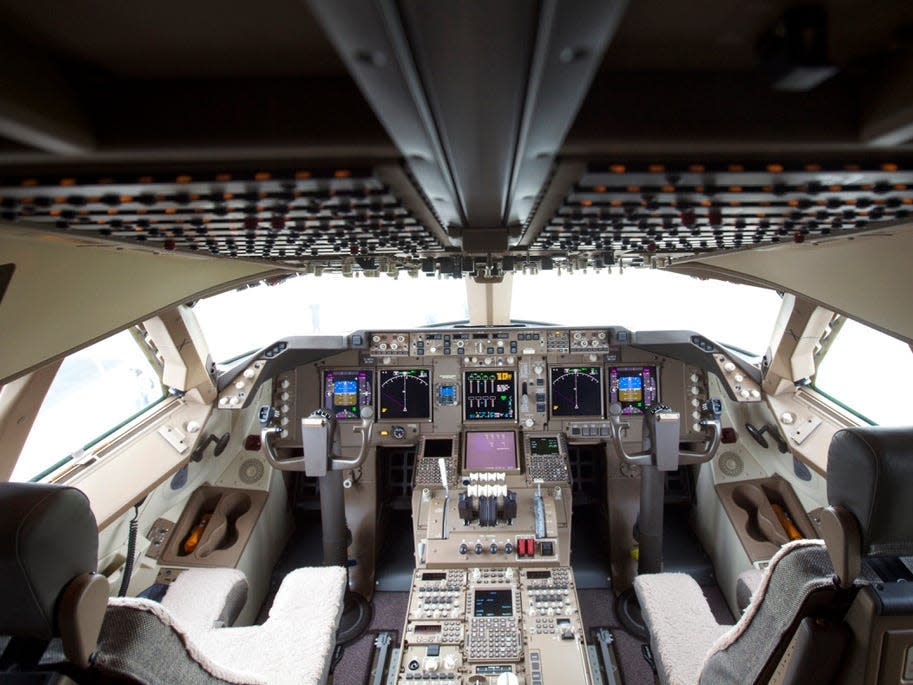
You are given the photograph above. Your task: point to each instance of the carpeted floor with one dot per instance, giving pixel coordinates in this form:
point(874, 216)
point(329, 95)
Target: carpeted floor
point(597, 609)
point(389, 614)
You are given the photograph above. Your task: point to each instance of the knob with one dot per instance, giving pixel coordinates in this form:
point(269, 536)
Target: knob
point(240, 384)
point(507, 679)
point(223, 401)
point(744, 394)
point(530, 422)
point(478, 548)
point(464, 548)
point(249, 373)
point(728, 367)
point(738, 378)
point(755, 394)
point(432, 349)
point(284, 384)
point(510, 360)
point(695, 390)
point(284, 396)
point(487, 360)
point(449, 662)
point(694, 378)
point(508, 548)
point(234, 401)
point(493, 548)
point(538, 369)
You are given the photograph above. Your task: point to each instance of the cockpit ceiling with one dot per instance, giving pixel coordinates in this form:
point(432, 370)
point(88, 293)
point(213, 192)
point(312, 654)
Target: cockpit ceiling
point(373, 219)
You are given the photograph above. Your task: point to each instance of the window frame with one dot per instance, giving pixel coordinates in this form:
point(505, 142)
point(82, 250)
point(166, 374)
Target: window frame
point(60, 470)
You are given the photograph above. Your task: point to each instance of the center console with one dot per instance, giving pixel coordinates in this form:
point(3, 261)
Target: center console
point(493, 599)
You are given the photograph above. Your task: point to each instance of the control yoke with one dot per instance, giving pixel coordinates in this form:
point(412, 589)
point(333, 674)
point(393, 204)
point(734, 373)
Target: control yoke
point(318, 433)
point(660, 444)
point(660, 452)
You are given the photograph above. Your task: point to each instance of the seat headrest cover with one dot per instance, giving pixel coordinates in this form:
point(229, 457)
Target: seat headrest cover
point(870, 474)
point(48, 536)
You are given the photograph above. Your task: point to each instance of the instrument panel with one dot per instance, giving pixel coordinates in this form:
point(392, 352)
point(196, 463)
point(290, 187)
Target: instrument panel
point(431, 382)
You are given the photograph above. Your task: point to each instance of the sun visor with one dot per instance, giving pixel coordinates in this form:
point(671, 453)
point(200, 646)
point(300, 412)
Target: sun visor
point(865, 275)
point(67, 292)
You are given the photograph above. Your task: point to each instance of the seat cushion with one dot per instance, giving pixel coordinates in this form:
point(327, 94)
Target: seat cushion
point(295, 644)
point(681, 625)
point(201, 599)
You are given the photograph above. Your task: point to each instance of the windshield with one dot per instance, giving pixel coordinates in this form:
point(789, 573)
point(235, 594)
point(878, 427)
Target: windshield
point(646, 299)
point(240, 321)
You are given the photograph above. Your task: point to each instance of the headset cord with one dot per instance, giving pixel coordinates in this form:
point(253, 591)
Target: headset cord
point(131, 552)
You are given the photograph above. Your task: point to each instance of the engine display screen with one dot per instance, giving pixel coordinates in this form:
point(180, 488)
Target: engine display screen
point(346, 392)
point(489, 395)
point(493, 603)
point(404, 394)
point(491, 451)
point(543, 446)
point(633, 387)
point(576, 390)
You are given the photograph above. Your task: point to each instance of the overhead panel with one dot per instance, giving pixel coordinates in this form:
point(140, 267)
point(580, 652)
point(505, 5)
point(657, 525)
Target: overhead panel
point(294, 217)
point(651, 210)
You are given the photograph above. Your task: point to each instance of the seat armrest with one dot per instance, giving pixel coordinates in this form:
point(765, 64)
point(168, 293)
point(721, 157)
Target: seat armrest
point(747, 584)
point(205, 598)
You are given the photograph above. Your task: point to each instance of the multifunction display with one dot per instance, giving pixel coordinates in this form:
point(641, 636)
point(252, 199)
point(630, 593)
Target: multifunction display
point(493, 603)
point(346, 392)
point(405, 394)
point(576, 390)
point(543, 447)
point(633, 387)
point(489, 395)
point(491, 451)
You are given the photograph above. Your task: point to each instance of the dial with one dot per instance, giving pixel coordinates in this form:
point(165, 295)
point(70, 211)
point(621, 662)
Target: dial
point(405, 394)
point(576, 390)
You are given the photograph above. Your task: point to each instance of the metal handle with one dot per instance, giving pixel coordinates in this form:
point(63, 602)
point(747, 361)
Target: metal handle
point(332, 461)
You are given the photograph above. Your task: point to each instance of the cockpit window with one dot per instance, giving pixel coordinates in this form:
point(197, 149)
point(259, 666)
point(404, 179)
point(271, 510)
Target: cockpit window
point(868, 372)
point(244, 320)
point(96, 390)
point(740, 316)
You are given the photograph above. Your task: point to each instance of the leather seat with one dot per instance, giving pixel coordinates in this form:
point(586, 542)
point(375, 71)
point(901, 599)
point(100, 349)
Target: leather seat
point(794, 625)
point(49, 588)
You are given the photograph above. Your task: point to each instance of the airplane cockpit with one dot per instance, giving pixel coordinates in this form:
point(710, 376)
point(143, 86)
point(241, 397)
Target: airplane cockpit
point(516, 343)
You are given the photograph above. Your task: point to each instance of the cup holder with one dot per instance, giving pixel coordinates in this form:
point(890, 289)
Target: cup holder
point(762, 524)
point(222, 533)
point(219, 521)
point(765, 513)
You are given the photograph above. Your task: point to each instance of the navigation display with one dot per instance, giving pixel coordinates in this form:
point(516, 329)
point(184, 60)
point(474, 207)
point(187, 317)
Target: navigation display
point(489, 395)
point(346, 392)
point(493, 603)
point(491, 451)
point(633, 387)
point(576, 390)
point(404, 394)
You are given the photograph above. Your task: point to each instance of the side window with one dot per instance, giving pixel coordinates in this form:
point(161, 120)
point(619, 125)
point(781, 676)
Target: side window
point(868, 372)
point(95, 392)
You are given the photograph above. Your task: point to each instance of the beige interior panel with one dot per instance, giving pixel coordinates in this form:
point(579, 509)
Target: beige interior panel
point(67, 292)
point(141, 461)
point(874, 269)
